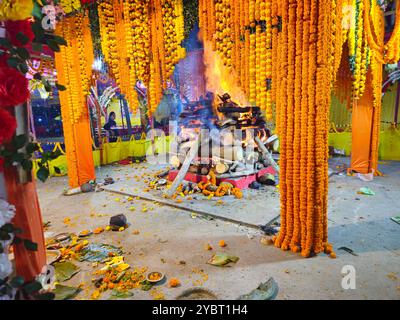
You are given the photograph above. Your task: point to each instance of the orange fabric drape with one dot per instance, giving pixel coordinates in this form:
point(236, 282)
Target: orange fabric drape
point(28, 217)
point(362, 119)
point(74, 63)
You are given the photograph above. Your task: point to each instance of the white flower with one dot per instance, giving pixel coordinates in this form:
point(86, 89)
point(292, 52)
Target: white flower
point(5, 265)
point(7, 212)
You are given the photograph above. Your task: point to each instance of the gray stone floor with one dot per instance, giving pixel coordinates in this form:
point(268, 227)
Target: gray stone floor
point(169, 235)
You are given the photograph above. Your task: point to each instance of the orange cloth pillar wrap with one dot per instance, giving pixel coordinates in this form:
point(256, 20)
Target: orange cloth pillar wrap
point(74, 70)
point(362, 123)
point(28, 217)
point(78, 145)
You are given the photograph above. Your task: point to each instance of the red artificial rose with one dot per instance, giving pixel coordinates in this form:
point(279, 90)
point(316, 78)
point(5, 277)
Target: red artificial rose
point(14, 27)
point(13, 87)
point(3, 60)
point(7, 126)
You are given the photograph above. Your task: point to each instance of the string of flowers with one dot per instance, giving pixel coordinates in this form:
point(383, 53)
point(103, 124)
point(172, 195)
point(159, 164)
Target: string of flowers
point(302, 84)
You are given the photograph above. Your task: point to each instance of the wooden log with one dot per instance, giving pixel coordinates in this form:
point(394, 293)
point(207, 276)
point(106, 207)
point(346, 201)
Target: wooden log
point(221, 168)
point(204, 171)
point(185, 167)
point(266, 154)
point(232, 153)
point(175, 162)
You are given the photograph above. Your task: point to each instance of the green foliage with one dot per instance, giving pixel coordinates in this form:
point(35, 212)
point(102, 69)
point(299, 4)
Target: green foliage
point(20, 151)
point(95, 28)
point(190, 15)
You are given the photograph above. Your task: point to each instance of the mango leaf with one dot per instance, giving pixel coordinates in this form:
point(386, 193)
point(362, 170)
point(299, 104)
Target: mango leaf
point(23, 67)
point(45, 296)
point(13, 62)
point(60, 87)
point(42, 174)
point(65, 292)
point(47, 85)
point(37, 11)
point(27, 165)
point(32, 147)
point(32, 287)
point(37, 47)
point(18, 157)
point(21, 37)
point(53, 45)
point(19, 141)
point(17, 240)
point(5, 43)
point(23, 53)
point(17, 281)
point(29, 245)
point(59, 40)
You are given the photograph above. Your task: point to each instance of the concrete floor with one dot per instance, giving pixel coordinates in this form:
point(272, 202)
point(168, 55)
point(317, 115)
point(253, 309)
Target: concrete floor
point(169, 235)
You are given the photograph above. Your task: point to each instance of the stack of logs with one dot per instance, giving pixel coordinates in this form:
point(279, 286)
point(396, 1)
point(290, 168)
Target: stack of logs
point(237, 148)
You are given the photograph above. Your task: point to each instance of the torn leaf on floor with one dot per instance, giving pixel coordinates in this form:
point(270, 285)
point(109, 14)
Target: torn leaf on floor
point(97, 252)
point(265, 291)
point(222, 259)
point(65, 270)
point(116, 294)
point(366, 191)
point(65, 292)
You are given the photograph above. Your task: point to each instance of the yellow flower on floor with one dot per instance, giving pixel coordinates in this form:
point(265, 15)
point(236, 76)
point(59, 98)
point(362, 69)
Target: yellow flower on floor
point(95, 294)
point(15, 9)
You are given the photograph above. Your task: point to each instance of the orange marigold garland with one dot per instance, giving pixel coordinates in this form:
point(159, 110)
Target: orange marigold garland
point(301, 84)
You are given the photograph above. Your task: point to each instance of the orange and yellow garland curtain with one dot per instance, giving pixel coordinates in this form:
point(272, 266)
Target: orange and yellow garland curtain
point(241, 32)
point(141, 41)
point(306, 61)
point(367, 110)
point(74, 70)
point(167, 34)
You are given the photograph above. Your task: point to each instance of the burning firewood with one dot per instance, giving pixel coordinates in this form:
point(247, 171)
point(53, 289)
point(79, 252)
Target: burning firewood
point(185, 166)
point(266, 154)
point(221, 168)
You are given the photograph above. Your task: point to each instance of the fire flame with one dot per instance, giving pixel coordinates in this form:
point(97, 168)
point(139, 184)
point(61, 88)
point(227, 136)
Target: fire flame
point(219, 79)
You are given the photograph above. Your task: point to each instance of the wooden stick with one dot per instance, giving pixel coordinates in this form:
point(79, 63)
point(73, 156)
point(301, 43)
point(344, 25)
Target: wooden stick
point(185, 167)
point(266, 154)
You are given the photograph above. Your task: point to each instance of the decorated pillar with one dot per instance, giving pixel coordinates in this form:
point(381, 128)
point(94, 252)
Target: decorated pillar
point(362, 125)
point(366, 115)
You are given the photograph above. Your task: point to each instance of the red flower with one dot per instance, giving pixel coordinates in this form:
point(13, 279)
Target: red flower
point(7, 126)
point(14, 27)
point(13, 87)
point(3, 60)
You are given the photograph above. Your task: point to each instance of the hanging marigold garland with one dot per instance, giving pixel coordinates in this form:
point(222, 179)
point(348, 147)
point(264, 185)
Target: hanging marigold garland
point(241, 32)
point(302, 84)
point(74, 69)
point(167, 32)
point(74, 63)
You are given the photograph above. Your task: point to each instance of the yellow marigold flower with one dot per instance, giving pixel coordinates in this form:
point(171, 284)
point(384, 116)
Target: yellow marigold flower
point(15, 9)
